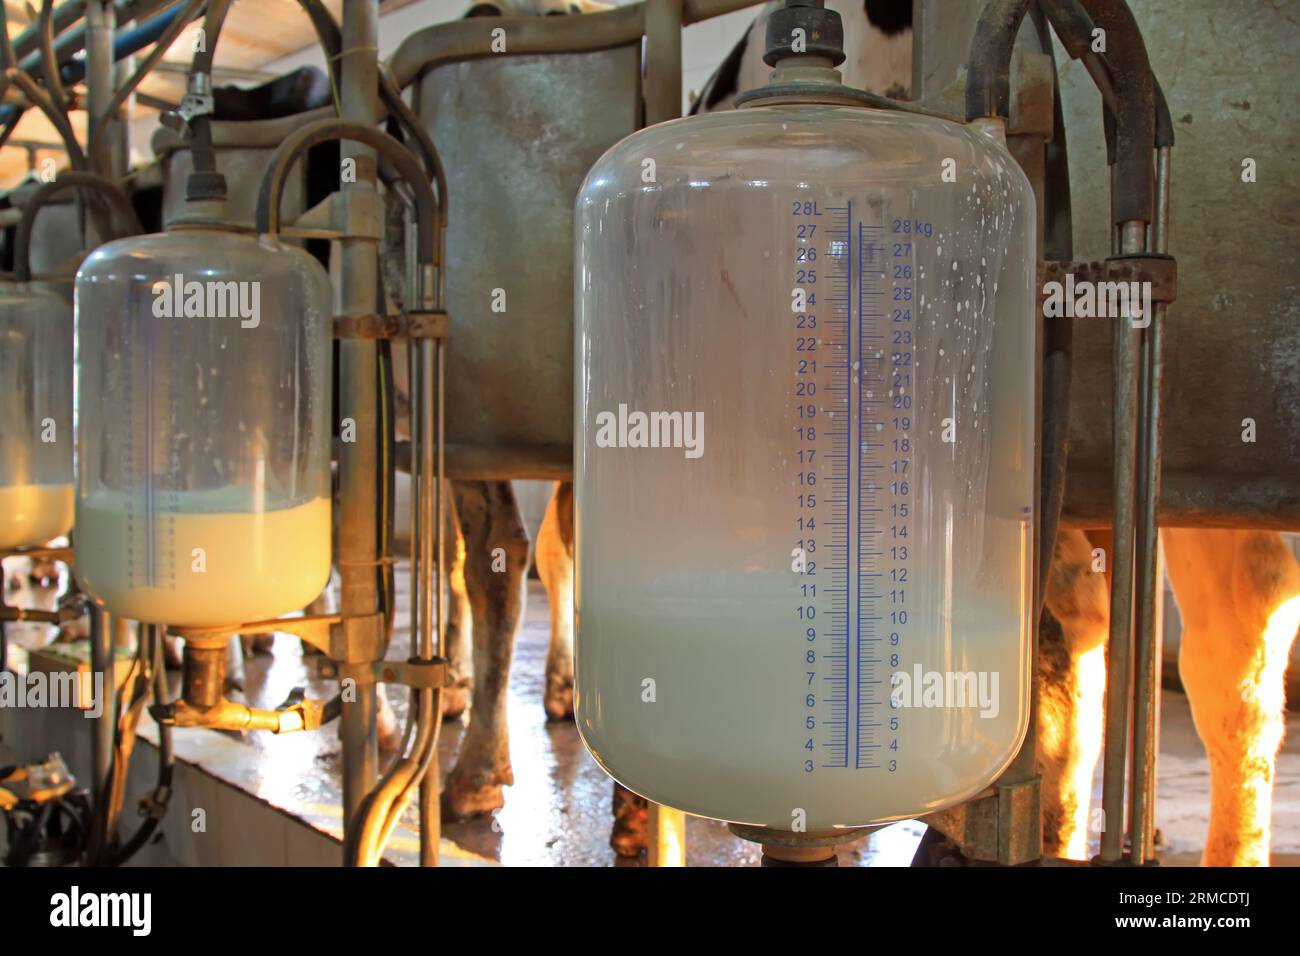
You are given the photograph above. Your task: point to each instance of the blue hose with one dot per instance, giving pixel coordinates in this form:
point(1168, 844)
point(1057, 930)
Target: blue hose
point(124, 44)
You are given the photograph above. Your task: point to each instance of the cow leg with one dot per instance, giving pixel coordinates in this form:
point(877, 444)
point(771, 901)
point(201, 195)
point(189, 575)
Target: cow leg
point(456, 697)
point(496, 565)
point(631, 833)
point(555, 566)
point(1071, 693)
point(1239, 595)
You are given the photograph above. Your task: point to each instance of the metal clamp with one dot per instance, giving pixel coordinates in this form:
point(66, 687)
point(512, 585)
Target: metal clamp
point(431, 674)
point(154, 804)
point(412, 325)
point(1159, 270)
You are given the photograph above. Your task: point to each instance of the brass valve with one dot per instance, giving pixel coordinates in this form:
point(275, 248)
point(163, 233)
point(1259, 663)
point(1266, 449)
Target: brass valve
point(203, 702)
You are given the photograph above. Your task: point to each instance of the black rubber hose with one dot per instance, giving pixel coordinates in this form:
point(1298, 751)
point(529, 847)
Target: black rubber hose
point(1164, 121)
point(1058, 357)
point(988, 67)
point(204, 182)
point(166, 760)
point(213, 21)
point(1133, 198)
point(119, 204)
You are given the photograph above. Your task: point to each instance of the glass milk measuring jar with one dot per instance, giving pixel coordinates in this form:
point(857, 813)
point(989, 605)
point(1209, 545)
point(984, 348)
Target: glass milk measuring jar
point(36, 429)
point(821, 615)
point(202, 406)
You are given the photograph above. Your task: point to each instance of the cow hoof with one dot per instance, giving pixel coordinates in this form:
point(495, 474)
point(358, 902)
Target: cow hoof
point(455, 701)
point(630, 834)
point(462, 800)
point(558, 699)
point(631, 823)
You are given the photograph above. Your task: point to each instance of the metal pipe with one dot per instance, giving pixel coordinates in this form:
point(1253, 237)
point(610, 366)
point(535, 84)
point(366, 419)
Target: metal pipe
point(406, 165)
point(1119, 651)
point(1134, 115)
point(179, 22)
point(988, 68)
point(1142, 787)
point(430, 786)
point(695, 11)
point(102, 130)
point(49, 65)
point(65, 15)
point(359, 509)
point(117, 200)
point(663, 61)
point(59, 120)
point(374, 814)
point(101, 743)
point(467, 40)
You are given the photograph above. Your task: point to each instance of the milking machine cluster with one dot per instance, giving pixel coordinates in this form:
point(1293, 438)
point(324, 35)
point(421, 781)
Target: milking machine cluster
point(799, 271)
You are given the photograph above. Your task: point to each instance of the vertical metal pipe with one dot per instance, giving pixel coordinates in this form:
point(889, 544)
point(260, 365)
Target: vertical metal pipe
point(663, 61)
point(1142, 787)
point(101, 24)
point(1119, 652)
point(667, 837)
point(101, 664)
point(430, 596)
point(359, 479)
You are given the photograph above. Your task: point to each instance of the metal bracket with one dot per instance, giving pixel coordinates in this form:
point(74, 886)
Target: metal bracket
point(419, 674)
point(1158, 270)
point(1001, 825)
point(413, 325)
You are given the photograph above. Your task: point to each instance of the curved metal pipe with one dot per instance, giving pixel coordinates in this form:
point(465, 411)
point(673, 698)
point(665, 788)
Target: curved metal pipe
point(1133, 193)
point(298, 142)
point(988, 67)
point(49, 64)
point(70, 179)
point(59, 119)
point(470, 39)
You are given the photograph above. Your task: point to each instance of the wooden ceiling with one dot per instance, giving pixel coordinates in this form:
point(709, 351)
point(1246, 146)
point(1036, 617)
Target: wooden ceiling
point(256, 32)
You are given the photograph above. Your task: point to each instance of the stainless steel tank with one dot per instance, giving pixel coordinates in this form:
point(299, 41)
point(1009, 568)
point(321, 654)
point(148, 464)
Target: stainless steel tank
point(517, 135)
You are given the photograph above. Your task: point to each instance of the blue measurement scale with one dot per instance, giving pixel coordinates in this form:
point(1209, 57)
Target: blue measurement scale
point(853, 313)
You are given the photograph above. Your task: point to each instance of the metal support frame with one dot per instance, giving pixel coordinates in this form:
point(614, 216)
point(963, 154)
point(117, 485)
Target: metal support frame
point(359, 477)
